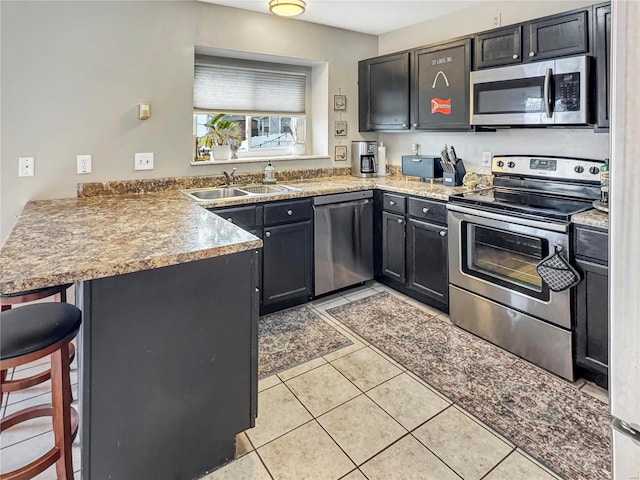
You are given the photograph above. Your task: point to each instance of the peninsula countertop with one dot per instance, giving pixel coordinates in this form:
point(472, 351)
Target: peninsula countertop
point(73, 239)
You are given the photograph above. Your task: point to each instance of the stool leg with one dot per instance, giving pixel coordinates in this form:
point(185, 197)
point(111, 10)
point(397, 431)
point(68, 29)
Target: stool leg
point(3, 377)
point(61, 396)
point(5, 307)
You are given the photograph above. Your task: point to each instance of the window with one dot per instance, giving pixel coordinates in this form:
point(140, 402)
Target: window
point(267, 105)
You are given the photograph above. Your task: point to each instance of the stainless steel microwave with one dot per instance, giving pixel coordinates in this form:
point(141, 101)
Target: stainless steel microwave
point(554, 92)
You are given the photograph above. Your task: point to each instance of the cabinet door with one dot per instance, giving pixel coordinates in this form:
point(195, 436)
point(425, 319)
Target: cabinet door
point(603, 64)
point(427, 259)
point(383, 93)
point(287, 263)
point(592, 318)
point(498, 47)
point(440, 94)
point(558, 36)
point(393, 246)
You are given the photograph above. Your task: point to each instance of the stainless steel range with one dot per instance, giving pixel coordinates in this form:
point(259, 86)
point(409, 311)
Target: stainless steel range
point(496, 239)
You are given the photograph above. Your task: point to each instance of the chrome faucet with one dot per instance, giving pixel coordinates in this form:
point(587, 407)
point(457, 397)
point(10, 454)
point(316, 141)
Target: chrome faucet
point(229, 177)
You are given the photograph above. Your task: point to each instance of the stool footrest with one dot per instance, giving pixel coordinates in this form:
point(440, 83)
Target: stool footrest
point(36, 467)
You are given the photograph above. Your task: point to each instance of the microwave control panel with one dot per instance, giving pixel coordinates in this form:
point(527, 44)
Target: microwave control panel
point(567, 87)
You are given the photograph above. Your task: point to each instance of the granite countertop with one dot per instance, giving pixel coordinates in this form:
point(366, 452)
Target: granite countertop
point(67, 240)
point(62, 241)
point(592, 218)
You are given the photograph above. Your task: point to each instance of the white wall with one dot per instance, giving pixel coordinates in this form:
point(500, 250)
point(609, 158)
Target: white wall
point(469, 146)
point(74, 72)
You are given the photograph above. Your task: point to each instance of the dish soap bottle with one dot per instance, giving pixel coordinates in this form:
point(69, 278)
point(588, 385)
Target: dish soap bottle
point(604, 182)
point(269, 174)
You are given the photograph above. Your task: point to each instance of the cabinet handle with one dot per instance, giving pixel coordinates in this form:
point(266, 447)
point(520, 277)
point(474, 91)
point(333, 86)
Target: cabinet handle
point(415, 125)
point(443, 233)
point(532, 54)
point(400, 220)
point(425, 210)
point(392, 203)
point(289, 212)
point(515, 55)
point(230, 219)
point(404, 125)
point(267, 234)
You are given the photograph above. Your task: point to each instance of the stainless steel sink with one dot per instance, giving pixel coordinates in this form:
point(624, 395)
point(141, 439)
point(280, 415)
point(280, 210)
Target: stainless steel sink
point(264, 189)
point(215, 193)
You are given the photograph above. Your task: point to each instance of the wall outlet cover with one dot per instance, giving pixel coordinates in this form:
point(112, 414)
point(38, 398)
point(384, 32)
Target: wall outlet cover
point(143, 161)
point(486, 159)
point(84, 163)
point(26, 166)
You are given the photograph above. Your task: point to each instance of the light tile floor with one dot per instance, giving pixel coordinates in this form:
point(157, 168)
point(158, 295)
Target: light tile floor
point(354, 414)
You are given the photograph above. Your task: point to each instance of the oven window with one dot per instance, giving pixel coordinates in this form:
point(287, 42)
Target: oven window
point(505, 258)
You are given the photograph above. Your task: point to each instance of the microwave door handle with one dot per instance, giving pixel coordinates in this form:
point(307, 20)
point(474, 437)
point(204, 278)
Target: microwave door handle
point(547, 92)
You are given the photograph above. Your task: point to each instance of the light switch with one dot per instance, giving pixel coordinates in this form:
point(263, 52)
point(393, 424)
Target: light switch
point(143, 161)
point(26, 166)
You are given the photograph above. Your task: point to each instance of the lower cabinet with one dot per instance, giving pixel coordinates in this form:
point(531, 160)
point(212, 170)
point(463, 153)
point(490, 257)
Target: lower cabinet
point(592, 305)
point(286, 230)
point(414, 247)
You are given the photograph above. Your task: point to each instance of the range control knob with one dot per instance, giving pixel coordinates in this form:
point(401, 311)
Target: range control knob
point(594, 170)
point(500, 163)
point(579, 169)
point(511, 164)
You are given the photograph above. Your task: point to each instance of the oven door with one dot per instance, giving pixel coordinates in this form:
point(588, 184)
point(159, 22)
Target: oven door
point(495, 256)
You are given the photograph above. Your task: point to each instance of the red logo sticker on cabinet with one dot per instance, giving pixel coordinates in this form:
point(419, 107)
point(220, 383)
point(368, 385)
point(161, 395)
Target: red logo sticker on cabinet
point(439, 105)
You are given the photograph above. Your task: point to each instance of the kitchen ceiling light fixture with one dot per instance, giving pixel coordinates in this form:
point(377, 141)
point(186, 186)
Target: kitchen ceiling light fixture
point(287, 8)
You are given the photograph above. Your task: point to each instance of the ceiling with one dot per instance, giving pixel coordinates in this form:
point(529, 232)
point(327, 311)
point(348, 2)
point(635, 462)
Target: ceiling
point(367, 16)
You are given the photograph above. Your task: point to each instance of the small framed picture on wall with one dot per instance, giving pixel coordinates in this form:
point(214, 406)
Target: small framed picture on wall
point(340, 128)
point(339, 102)
point(341, 153)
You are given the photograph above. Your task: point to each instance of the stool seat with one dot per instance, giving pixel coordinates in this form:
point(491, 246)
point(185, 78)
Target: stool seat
point(35, 327)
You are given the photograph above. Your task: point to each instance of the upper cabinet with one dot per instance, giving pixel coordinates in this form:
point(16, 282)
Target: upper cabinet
point(440, 87)
point(603, 64)
point(498, 47)
point(549, 37)
point(383, 93)
point(557, 36)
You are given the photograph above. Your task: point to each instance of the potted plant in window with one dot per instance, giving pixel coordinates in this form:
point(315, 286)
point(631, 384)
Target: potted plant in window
point(221, 135)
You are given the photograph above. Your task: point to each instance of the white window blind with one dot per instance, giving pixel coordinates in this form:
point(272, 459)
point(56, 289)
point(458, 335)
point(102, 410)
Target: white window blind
point(222, 88)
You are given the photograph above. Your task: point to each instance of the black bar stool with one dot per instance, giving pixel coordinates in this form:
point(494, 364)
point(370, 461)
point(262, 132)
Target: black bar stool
point(30, 333)
point(7, 301)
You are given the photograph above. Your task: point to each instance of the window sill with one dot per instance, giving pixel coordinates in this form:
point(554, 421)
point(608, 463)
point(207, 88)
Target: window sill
point(260, 159)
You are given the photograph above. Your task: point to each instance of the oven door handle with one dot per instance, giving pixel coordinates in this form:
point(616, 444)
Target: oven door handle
point(505, 218)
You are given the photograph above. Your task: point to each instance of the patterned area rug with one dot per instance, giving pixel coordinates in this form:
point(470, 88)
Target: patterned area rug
point(294, 336)
point(552, 420)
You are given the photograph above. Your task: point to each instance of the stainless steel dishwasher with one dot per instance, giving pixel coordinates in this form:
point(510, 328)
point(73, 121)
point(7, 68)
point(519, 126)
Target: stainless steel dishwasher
point(343, 240)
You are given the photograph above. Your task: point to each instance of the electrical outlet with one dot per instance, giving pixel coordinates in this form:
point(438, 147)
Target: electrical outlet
point(143, 161)
point(26, 166)
point(497, 20)
point(486, 159)
point(84, 163)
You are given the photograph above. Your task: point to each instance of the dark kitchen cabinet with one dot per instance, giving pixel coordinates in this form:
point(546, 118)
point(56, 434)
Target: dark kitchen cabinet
point(287, 254)
point(383, 93)
point(393, 246)
point(413, 247)
point(592, 304)
point(427, 259)
point(557, 36)
point(603, 64)
point(498, 47)
point(286, 259)
point(440, 88)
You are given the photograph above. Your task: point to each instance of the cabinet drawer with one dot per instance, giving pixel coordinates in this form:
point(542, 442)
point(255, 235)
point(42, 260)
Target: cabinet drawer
point(592, 244)
point(286, 212)
point(245, 217)
point(393, 203)
point(428, 210)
